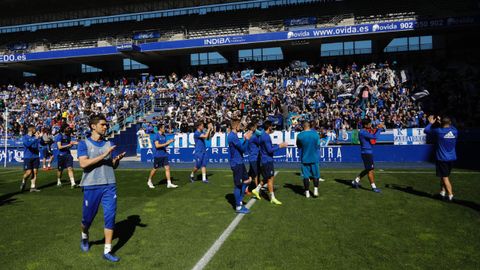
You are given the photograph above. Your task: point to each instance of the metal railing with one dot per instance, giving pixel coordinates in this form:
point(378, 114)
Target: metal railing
point(136, 113)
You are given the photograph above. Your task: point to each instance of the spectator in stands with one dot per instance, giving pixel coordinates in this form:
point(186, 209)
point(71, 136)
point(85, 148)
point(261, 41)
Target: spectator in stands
point(334, 97)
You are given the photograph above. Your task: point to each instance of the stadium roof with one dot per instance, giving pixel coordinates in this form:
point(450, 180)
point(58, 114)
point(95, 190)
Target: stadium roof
point(55, 10)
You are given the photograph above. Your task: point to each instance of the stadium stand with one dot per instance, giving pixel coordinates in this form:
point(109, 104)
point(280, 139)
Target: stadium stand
point(234, 20)
point(335, 97)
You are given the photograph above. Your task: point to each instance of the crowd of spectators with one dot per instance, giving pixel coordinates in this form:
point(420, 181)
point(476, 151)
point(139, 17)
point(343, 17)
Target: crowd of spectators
point(335, 98)
point(51, 107)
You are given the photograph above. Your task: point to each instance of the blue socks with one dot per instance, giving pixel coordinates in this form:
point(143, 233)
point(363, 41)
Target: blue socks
point(237, 193)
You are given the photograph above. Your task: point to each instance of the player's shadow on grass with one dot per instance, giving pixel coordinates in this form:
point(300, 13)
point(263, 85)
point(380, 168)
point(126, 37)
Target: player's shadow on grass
point(411, 190)
point(348, 183)
point(231, 200)
point(124, 230)
point(300, 190)
point(7, 198)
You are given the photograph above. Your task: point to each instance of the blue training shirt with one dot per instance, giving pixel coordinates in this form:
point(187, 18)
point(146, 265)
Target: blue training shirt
point(236, 149)
point(31, 146)
point(63, 140)
point(309, 143)
point(364, 137)
point(162, 151)
point(253, 147)
point(200, 146)
point(446, 139)
point(266, 148)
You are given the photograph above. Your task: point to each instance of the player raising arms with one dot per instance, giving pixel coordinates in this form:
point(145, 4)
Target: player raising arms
point(445, 137)
point(98, 183)
point(266, 151)
point(64, 158)
point(160, 157)
point(365, 136)
point(236, 148)
point(308, 141)
point(31, 158)
point(201, 157)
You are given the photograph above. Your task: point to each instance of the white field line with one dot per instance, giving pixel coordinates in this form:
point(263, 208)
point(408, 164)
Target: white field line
point(221, 239)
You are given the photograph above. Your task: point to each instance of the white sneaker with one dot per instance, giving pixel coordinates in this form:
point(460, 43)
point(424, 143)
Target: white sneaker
point(59, 184)
point(321, 179)
point(171, 186)
point(150, 185)
point(307, 194)
point(315, 193)
point(72, 186)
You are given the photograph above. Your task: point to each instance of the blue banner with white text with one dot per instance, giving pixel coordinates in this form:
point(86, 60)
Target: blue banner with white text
point(335, 31)
point(300, 21)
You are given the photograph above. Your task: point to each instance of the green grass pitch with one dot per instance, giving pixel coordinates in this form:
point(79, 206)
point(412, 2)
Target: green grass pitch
point(401, 228)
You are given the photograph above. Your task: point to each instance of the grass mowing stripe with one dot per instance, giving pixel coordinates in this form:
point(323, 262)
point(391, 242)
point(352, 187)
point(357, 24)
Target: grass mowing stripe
point(7, 172)
point(219, 242)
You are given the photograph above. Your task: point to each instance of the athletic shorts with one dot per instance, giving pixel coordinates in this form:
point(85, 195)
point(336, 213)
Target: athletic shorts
point(64, 162)
point(268, 171)
point(93, 196)
point(239, 174)
point(368, 161)
point(31, 163)
point(201, 160)
point(46, 153)
point(444, 168)
point(159, 162)
point(310, 171)
point(254, 169)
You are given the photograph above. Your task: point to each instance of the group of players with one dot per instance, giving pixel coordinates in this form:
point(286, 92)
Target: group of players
point(258, 149)
point(35, 142)
point(99, 184)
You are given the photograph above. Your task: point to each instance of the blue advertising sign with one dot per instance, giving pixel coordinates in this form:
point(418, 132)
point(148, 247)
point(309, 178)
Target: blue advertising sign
point(347, 154)
point(182, 149)
point(11, 143)
point(283, 36)
point(146, 35)
point(315, 33)
point(127, 47)
point(300, 21)
point(409, 136)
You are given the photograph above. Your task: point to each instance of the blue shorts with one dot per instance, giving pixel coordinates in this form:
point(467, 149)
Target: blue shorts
point(160, 162)
point(46, 153)
point(239, 174)
point(64, 162)
point(443, 168)
point(93, 196)
point(368, 161)
point(254, 169)
point(31, 163)
point(310, 171)
point(201, 160)
point(268, 171)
